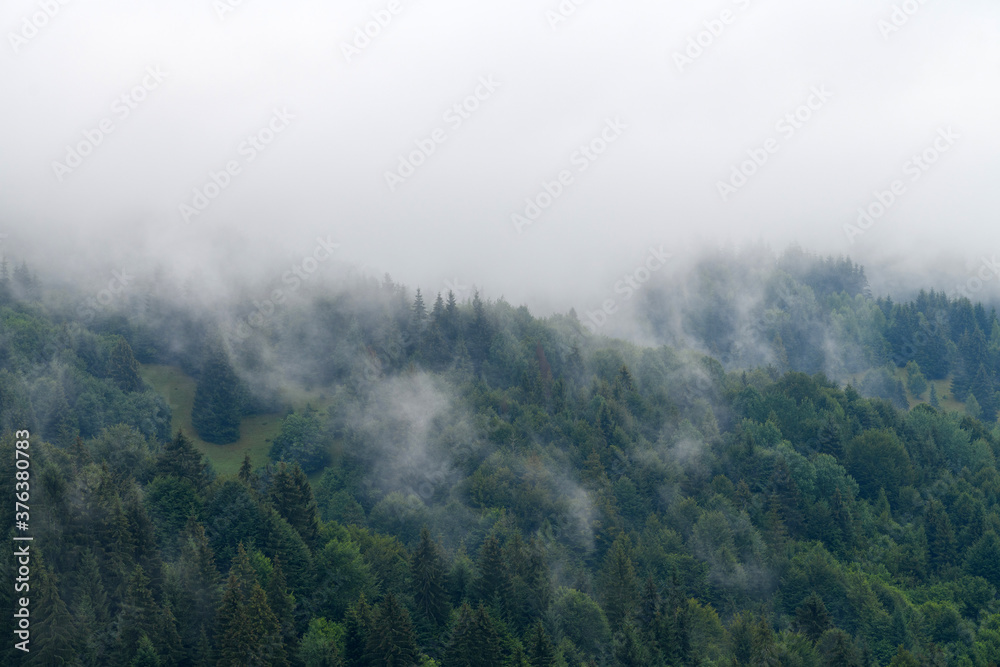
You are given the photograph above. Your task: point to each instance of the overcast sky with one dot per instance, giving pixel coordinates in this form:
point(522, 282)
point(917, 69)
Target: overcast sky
point(669, 117)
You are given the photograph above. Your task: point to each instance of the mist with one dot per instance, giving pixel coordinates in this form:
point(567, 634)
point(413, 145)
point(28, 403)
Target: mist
point(536, 150)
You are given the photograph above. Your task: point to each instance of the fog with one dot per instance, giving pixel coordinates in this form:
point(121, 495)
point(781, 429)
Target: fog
point(122, 119)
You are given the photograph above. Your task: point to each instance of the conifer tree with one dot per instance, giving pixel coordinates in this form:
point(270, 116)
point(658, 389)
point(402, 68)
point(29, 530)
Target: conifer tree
point(493, 585)
point(812, 618)
point(146, 655)
point(245, 473)
point(428, 576)
point(53, 630)
point(247, 631)
point(138, 615)
point(293, 498)
point(392, 642)
point(358, 625)
point(620, 588)
point(218, 400)
point(474, 640)
point(541, 653)
point(282, 603)
point(123, 368)
point(180, 459)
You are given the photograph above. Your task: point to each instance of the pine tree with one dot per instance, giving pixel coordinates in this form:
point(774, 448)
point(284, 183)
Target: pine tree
point(139, 614)
point(358, 625)
point(541, 653)
point(972, 406)
point(392, 642)
point(941, 548)
point(619, 585)
point(168, 642)
point(282, 603)
point(627, 647)
point(199, 581)
point(474, 640)
point(245, 473)
point(53, 630)
point(293, 498)
point(217, 400)
point(247, 631)
point(146, 655)
point(493, 585)
point(427, 573)
point(934, 397)
point(812, 618)
point(180, 459)
point(123, 368)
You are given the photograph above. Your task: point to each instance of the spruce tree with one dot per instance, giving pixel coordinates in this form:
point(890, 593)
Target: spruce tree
point(146, 655)
point(247, 631)
point(282, 603)
point(217, 400)
point(123, 368)
point(493, 586)
point(180, 459)
point(812, 618)
point(619, 584)
point(392, 642)
point(293, 498)
point(358, 626)
point(541, 653)
point(428, 575)
point(475, 641)
point(53, 629)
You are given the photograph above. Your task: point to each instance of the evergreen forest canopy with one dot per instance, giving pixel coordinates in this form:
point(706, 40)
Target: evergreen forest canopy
point(803, 474)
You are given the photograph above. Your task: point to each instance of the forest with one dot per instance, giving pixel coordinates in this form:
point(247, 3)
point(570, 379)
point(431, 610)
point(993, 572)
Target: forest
point(799, 473)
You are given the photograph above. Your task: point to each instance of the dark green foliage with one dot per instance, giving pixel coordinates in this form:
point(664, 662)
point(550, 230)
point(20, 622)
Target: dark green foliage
point(391, 641)
point(320, 646)
point(218, 400)
point(302, 441)
point(180, 459)
point(248, 632)
point(474, 641)
point(541, 653)
point(812, 618)
point(54, 636)
point(619, 584)
point(123, 368)
point(428, 577)
point(293, 498)
point(700, 508)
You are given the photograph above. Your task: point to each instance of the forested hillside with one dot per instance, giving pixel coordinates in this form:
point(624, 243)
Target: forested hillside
point(467, 484)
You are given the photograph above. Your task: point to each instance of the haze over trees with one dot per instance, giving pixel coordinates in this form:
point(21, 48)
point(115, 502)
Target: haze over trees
point(469, 484)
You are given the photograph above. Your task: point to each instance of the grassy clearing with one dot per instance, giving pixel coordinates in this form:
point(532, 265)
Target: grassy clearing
point(256, 432)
